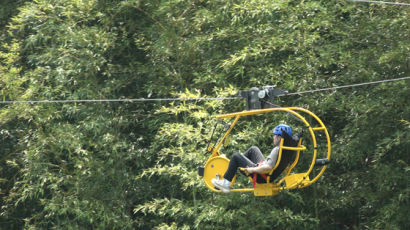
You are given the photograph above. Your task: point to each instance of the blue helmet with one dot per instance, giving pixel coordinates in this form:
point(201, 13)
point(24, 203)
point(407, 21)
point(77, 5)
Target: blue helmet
point(279, 128)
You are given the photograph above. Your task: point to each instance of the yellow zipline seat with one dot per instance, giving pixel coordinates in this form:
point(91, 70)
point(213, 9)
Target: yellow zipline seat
point(288, 157)
point(289, 151)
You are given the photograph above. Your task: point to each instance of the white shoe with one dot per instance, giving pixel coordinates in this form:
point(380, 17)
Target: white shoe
point(223, 184)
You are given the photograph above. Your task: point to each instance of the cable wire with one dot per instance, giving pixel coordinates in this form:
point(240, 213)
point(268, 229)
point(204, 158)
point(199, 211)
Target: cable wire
point(345, 86)
point(195, 99)
point(381, 2)
point(119, 100)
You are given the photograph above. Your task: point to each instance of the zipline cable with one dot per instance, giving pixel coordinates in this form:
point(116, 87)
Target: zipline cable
point(119, 100)
point(195, 99)
point(381, 2)
point(345, 86)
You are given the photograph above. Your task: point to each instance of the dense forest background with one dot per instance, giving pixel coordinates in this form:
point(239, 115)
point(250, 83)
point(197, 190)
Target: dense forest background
point(124, 165)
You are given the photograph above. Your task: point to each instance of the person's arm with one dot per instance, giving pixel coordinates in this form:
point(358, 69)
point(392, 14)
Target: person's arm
point(268, 164)
point(259, 169)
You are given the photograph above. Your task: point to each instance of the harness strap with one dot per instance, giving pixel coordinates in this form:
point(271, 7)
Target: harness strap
point(255, 176)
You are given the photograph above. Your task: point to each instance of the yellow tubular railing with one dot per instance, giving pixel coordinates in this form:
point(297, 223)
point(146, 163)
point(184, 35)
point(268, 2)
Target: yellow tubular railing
point(289, 170)
point(301, 148)
point(321, 128)
point(215, 151)
point(278, 160)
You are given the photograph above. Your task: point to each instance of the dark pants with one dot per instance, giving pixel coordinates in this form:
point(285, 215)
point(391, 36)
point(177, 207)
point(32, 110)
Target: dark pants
point(250, 158)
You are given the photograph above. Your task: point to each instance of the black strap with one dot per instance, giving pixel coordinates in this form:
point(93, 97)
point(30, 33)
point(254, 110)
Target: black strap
point(210, 139)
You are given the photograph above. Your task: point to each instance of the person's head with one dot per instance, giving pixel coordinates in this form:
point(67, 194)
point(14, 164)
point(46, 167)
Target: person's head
point(278, 132)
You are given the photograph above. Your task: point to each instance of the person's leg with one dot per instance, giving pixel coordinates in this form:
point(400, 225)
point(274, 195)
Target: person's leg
point(238, 160)
point(250, 158)
point(254, 154)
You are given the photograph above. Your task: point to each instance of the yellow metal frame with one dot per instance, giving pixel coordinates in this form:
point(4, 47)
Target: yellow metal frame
point(217, 164)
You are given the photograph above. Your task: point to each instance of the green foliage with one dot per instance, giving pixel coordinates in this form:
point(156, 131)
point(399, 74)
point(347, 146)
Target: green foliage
point(133, 165)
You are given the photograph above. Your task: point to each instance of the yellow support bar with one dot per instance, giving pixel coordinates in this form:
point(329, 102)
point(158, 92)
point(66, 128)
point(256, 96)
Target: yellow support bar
point(319, 128)
point(215, 151)
point(278, 160)
point(242, 190)
point(301, 148)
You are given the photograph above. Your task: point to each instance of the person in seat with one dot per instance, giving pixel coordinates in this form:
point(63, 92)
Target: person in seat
point(252, 160)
